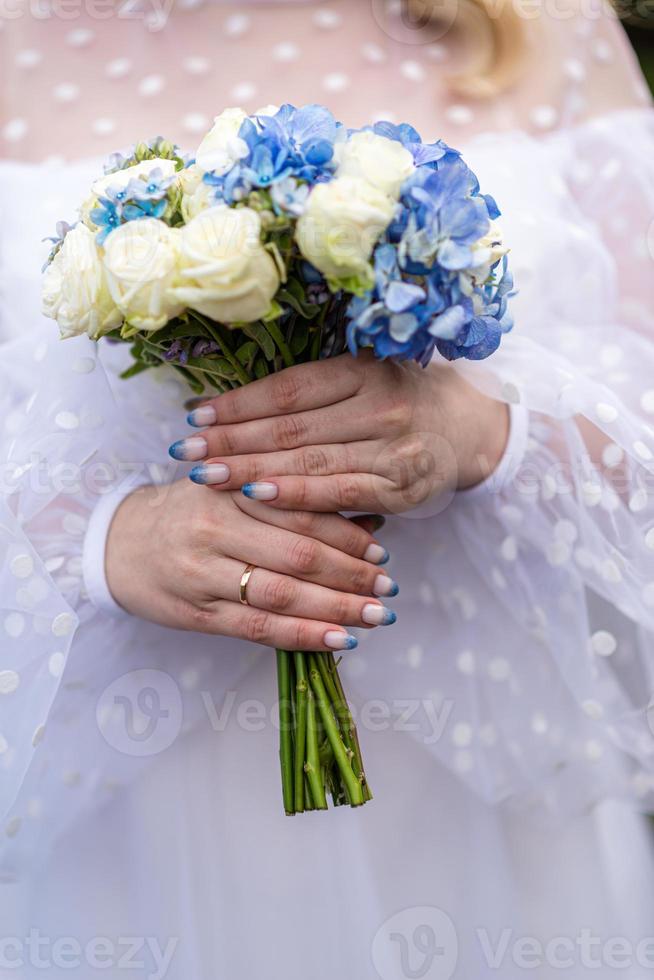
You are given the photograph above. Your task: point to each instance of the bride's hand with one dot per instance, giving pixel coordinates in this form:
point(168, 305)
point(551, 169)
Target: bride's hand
point(175, 555)
point(348, 434)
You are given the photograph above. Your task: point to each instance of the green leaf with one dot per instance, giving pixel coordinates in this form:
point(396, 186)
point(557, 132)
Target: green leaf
point(247, 351)
point(134, 369)
point(257, 332)
point(299, 341)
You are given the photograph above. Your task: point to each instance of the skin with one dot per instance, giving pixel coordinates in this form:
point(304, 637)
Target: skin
point(342, 434)
point(185, 573)
point(357, 434)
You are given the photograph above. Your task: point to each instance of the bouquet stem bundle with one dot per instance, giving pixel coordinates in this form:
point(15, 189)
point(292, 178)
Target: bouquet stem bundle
point(319, 747)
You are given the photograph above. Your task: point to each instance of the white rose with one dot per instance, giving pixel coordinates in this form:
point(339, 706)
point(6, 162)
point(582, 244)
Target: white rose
point(75, 291)
point(222, 147)
point(229, 274)
point(341, 223)
point(121, 178)
point(196, 195)
point(141, 262)
point(381, 161)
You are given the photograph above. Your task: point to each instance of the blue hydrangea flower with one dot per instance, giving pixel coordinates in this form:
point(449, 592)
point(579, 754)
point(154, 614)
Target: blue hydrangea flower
point(139, 199)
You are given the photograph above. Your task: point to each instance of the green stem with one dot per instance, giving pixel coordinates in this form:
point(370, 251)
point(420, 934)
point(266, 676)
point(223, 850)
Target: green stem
point(352, 783)
point(301, 689)
point(285, 728)
point(346, 718)
point(282, 346)
point(312, 766)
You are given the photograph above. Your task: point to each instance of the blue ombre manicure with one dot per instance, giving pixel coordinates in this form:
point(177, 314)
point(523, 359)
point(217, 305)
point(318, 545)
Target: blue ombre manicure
point(190, 449)
point(204, 415)
point(375, 615)
point(336, 640)
point(260, 491)
point(385, 586)
point(210, 474)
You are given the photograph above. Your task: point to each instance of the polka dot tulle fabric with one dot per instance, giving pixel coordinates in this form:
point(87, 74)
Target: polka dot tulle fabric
point(526, 614)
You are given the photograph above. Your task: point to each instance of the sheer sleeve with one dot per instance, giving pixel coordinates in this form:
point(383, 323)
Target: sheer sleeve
point(565, 550)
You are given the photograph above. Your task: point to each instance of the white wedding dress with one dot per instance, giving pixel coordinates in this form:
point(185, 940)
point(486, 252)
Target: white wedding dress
point(504, 719)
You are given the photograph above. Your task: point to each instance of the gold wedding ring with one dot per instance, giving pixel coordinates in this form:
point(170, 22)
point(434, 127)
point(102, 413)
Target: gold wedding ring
point(243, 584)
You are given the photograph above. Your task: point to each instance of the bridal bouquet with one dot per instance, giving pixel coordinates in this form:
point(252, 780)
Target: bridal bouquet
point(286, 238)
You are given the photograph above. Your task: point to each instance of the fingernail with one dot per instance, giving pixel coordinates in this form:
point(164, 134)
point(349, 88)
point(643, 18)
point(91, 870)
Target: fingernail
point(205, 415)
point(336, 640)
point(260, 491)
point(375, 554)
point(377, 520)
point(210, 473)
point(385, 586)
point(195, 447)
point(376, 615)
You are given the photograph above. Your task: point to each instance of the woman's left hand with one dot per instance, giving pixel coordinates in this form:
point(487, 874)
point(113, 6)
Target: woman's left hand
point(348, 434)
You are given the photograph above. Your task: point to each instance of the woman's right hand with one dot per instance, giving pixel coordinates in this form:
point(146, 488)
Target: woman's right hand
point(175, 555)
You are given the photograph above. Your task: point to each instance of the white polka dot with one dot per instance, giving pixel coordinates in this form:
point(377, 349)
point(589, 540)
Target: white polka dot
point(12, 828)
point(72, 777)
point(14, 624)
point(66, 420)
point(603, 643)
point(195, 122)
point(196, 65)
point(544, 116)
point(602, 51)
point(509, 549)
point(574, 69)
point(83, 365)
point(558, 552)
point(236, 25)
point(605, 412)
point(465, 662)
point(80, 37)
point(56, 664)
point(15, 130)
point(612, 455)
point(4, 744)
point(151, 85)
point(642, 451)
point(22, 566)
point(463, 761)
point(498, 578)
point(327, 19)
point(28, 58)
point(286, 51)
point(34, 808)
point(244, 91)
point(462, 734)
point(436, 52)
point(610, 571)
point(638, 501)
point(37, 737)
point(66, 92)
point(413, 71)
point(373, 53)
point(118, 68)
point(9, 681)
point(74, 524)
point(584, 558)
point(460, 115)
point(63, 624)
point(592, 493)
point(611, 355)
point(414, 656)
point(335, 82)
point(593, 709)
point(565, 530)
point(103, 126)
point(593, 750)
point(647, 401)
point(499, 669)
point(539, 724)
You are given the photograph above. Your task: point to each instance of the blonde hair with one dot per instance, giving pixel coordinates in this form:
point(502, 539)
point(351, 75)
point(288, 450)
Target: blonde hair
point(498, 34)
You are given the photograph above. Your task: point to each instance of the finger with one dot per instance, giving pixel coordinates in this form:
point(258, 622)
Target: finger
point(290, 597)
point(346, 535)
point(231, 472)
point(284, 632)
point(322, 426)
point(295, 389)
point(302, 557)
point(344, 491)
